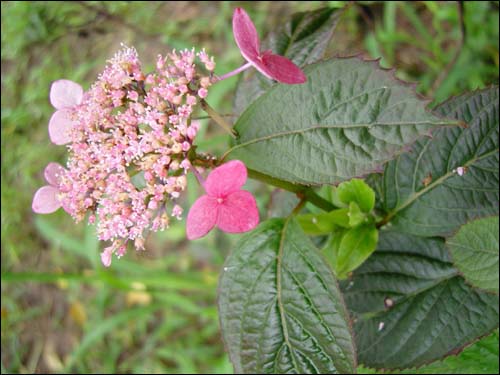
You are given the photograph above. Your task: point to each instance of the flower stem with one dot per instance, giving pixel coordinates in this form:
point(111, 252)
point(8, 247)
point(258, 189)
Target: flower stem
point(304, 192)
point(199, 177)
point(207, 117)
point(234, 72)
point(217, 118)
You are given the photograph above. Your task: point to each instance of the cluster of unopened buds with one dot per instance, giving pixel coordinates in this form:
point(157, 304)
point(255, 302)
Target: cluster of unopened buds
point(130, 140)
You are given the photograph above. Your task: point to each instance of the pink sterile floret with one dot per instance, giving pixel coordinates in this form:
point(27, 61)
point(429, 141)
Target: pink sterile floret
point(233, 210)
point(65, 95)
point(46, 199)
point(272, 66)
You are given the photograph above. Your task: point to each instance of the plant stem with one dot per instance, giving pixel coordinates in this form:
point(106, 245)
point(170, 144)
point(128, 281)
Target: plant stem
point(207, 117)
point(198, 175)
point(217, 118)
point(304, 192)
point(234, 72)
point(299, 206)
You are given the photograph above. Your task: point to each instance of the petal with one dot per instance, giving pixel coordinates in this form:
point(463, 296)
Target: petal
point(201, 217)
point(65, 94)
point(106, 256)
point(245, 35)
point(60, 126)
point(226, 179)
point(52, 173)
point(238, 213)
point(45, 200)
point(281, 69)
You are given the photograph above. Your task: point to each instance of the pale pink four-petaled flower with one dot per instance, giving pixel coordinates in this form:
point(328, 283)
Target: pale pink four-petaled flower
point(46, 199)
point(225, 205)
point(272, 66)
point(65, 95)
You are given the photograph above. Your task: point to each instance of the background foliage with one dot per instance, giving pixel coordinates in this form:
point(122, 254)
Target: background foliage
point(155, 311)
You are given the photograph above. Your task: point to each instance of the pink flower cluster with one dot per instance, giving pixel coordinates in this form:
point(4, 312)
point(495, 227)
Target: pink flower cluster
point(128, 137)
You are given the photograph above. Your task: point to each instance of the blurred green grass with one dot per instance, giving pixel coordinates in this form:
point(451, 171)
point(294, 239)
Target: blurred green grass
point(155, 311)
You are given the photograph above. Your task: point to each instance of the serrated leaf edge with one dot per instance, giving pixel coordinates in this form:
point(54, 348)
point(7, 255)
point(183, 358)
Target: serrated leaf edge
point(450, 253)
point(391, 75)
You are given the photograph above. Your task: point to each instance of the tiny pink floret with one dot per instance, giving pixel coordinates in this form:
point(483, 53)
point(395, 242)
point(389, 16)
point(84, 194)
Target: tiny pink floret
point(225, 205)
point(126, 124)
point(272, 66)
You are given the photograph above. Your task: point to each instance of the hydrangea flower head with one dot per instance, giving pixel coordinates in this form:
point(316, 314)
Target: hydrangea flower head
point(128, 138)
point(272, 66)
point(225, 205)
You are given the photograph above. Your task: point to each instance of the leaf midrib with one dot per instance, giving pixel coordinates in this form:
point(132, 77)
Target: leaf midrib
point(281, 307)
point(322, 127)
point(432, 185)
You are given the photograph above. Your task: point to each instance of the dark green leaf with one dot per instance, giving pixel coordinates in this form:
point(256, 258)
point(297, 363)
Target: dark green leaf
point(280, 308)
point(347, 120)
point(303, 40)
point(474, 249)
point(356, 246)
point(411, 305)
point(479, 358)
point(424, 194)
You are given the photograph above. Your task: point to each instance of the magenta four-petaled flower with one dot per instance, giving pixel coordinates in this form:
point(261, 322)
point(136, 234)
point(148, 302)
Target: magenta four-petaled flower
point(272, 66)
point(226, 205)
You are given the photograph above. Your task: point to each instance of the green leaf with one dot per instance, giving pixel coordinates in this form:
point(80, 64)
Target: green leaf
point(356, 246)
point(331, 249)
point(357, 191)
point(479, 358)
point(411, 307)
point(474, 249)
point(347, 120)
point(280, 308)
point(424, 195)
point(324, 223)
point(303, 40)
point(356, 217)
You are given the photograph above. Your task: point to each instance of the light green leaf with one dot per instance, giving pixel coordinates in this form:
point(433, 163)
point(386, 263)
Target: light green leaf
point(303, 39)
point(356, 246)
point(280, 308)
point(424, 194)
point(325, 222)
point(475, 250)
point(331, 249)
point(411, 307)
point(356, 217)
point(347, 120)
point(355, 190)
